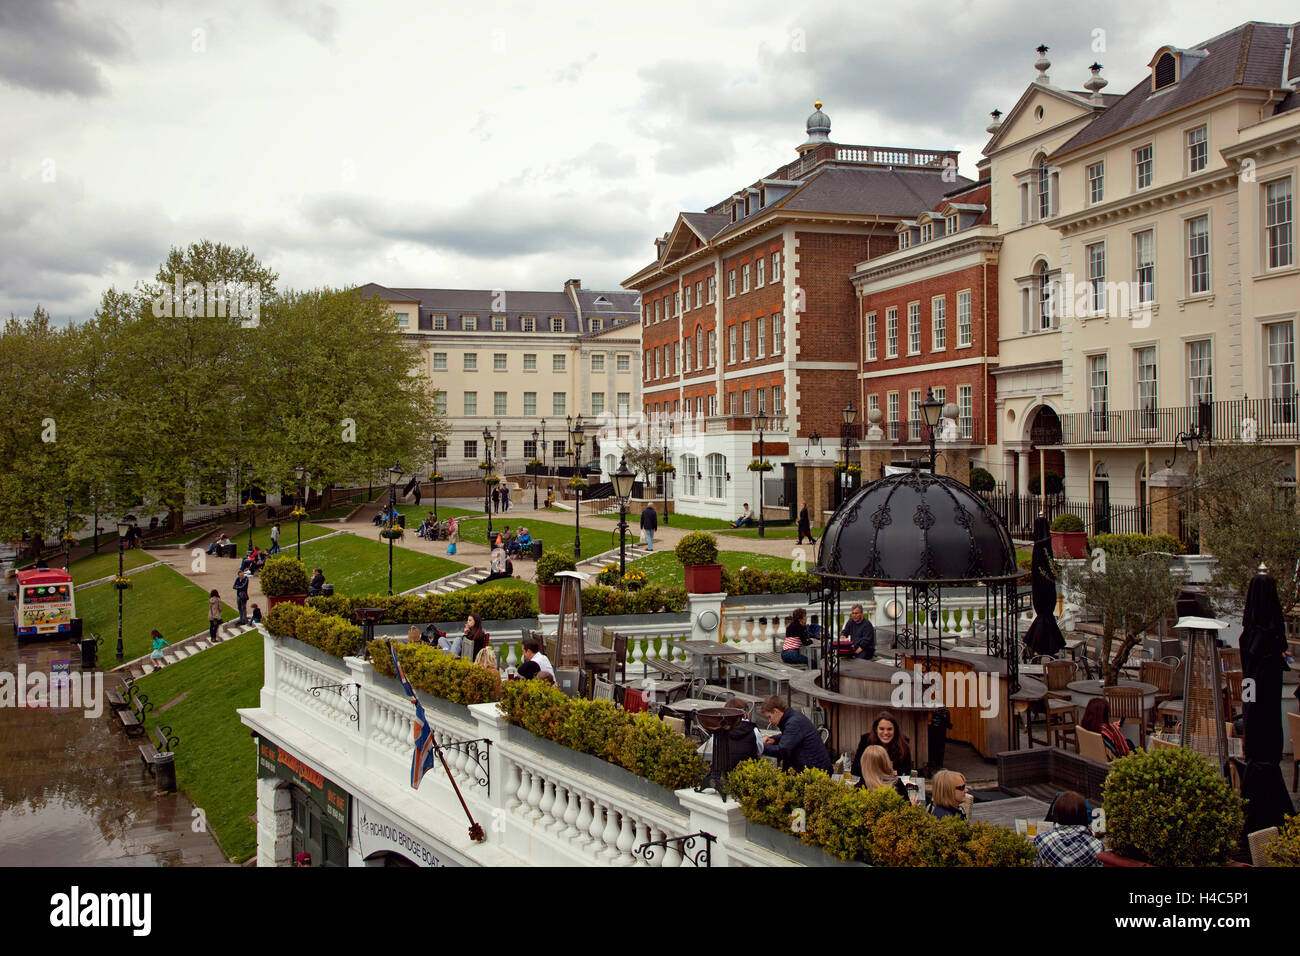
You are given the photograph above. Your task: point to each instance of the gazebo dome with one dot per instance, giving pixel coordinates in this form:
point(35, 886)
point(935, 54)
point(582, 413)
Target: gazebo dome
point(917, 527)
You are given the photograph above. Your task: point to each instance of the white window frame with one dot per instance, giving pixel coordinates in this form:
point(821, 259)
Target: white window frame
point(469, 362)
point(1144, 266)
point(530, 404)
point(744, 278)
point(528, 323)
point(1149, 163)
point(469, 403)
point(623, 362)
point(1197, 248)
point(759, 265)
point(731, 284)
point(872, 343)
point(1279, 233)
point(1200, 371)
point(559, 362)
point(440, 361)
point(939, 323)
point(1096, 185)
point(914, 328)
point(776, 267)
point(1190, 151)
point(965, 330)
point(530, 361)
point(469, 323)
point(891, 332)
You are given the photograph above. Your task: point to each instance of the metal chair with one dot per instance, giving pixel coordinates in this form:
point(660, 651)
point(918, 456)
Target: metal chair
point(1126, 702)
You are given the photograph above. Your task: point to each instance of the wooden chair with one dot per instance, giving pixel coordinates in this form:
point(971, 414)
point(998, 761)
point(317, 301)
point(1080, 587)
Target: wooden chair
point(1230, 658)
point(1232, 692)
point(618, 663)
point(1092, 746)
point(1259, 841)
point(1057, 676)
point(1061, 716)
point(1124, 703)
point(1162, 675)
point(1158, 744)
point(603, 690)
point(606, 637)
point(1294, 721)
point(674, 723)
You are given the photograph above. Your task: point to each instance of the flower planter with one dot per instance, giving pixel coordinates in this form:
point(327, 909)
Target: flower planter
point(1070, 544)
point(703, 578)
point(273, 600)
point(548, 598)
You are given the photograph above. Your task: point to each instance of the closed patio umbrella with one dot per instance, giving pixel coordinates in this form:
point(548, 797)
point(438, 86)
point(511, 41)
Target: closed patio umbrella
point(1044, 635)
point(1263, 643)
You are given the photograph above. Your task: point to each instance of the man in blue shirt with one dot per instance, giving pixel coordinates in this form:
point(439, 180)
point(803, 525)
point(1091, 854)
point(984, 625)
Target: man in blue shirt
point(800, 745)
point(860, 632)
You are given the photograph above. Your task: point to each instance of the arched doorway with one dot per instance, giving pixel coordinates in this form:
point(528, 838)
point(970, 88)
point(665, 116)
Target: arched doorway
point(1100, 499)
point(1044, 432)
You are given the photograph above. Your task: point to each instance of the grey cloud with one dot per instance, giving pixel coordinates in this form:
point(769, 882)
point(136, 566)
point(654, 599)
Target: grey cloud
point(573, 72)
point(320, 21)
point(56, 47)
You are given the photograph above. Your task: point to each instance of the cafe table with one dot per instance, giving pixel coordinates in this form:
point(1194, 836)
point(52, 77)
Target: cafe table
point(711, 651)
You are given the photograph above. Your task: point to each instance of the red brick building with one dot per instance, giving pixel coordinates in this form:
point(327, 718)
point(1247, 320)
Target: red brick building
point(928, 321)
point(749, 306)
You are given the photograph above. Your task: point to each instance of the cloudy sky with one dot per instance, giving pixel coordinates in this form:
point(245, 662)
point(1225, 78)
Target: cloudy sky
point(484, 145)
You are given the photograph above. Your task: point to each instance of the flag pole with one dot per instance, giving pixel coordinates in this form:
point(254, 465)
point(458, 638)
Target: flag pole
point(475, 829)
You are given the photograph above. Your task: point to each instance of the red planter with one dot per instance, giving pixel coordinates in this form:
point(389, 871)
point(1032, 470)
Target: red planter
point(1070, 544)
point(548, 598)
point(299, 599)
point(703, 578)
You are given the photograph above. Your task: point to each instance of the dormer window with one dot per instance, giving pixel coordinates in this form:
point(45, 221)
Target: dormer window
point(1165, 72)
point(904, 240)
point(747, 209)
point(762, 196)
point(953, 223)
point(927, 232)
point(735, 212)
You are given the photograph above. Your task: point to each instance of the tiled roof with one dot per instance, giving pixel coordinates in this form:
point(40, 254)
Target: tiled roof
point(1248, 55)
point(455, 302)
point(706, 224)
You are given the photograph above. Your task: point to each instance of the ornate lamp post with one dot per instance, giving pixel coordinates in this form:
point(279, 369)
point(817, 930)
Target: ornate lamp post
point(67, 532)
point(251, 505)
point(123, 528)
point(487, 473)
point(667, 461)
point(622, 480)
point(576, 441)
point(533, 468)
point(301, 474)
point(760, 424)
point(932, 411)
point(847, 417)
point(437, 450)
point(394, 476)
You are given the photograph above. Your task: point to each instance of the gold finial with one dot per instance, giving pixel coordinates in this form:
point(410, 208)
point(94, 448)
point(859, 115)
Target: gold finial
point(817, 105)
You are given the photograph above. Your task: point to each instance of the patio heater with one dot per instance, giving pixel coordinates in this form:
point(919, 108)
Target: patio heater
point(1202, 726)
point(719, 721)
point(622, 480)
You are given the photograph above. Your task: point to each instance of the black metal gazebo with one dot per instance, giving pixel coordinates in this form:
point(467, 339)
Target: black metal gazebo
point(921, 534)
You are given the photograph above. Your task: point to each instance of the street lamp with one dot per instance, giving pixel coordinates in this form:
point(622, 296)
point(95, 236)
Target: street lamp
point(487, 473)
point(847, 417)
point(760, 423)
point(622, 479)
point(67, 532)
point(1191, 440)
point(394, 476)
point(931, 410)
point(437, 448)
point(533, 468)
point(123, 528)
point(251, 505)
point(300, 473)
point(577, 440)
point(667, 461)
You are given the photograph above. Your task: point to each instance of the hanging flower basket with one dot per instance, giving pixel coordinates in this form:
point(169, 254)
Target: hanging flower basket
point(298, 512)
point(122, 584)
point(491, 480)
point(757, 465)
point(535, 463)
point(667, 469)
point(435, 477)
point(851, 469)
point(392, 532)
point(577, 484)
point(68, 539)
point(484, 466)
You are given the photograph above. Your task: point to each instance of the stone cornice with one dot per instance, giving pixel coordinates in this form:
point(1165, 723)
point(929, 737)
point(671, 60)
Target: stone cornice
point(1146, 202)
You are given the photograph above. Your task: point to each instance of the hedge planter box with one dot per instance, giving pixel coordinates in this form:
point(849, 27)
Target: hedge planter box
point(618, 777)
point(1070, 544)
point(548, 598)
point(703, 578)
point(299, 599)
point(791, 847)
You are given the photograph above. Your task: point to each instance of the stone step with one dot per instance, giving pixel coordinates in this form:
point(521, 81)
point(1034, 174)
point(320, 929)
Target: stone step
point(147, 668)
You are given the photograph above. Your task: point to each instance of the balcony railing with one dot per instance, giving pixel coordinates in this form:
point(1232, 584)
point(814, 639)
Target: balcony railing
point(1235, 420)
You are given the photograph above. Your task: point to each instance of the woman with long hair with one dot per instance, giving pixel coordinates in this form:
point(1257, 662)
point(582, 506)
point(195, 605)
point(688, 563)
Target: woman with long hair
point(877, 771)
point(1096, 718)
point(949, 794)
point(887, 733)
point(796, 636)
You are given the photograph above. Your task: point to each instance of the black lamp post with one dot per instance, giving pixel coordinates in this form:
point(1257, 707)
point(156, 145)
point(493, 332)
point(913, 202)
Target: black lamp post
point(622, 479)
point(576, 441)
point(437, 449)
point(1191, 440)
point(67, 532)
point(123, 528)
point(394, 476)
point(300, 473)
point(533, 468)
point(931, 410)
point(847, 417)
point(251, 505)
point(487, 473)
point(760, 423)
point(667, 461)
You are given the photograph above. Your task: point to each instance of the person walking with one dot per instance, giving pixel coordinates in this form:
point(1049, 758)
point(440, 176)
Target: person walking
point(214, 613)
point(505, 497)
point(158, 644)
point(418, 494)
point(453, 536)
point(649, 525)
point(241, 595)
point(805, 525)
point(275, 538)
point(496, 498)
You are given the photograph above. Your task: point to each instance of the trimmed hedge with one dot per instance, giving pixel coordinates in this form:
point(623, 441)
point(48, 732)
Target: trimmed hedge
point(598, 600)
point(552, 562)
point(757, 581)
point(640, 743)
point(491, 603)
point(877, 827)
point(1067, 523)
point(1136, 543)
point(326, 632)
point(284, 574)
point(438, 673)
point(981, 479)
point(698, 547)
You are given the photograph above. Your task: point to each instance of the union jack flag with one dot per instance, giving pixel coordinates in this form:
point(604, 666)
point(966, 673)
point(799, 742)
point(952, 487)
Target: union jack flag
point(425, 749)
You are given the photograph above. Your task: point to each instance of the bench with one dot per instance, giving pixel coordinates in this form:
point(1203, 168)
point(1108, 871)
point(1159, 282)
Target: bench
point(132, 716)
point(120, 698)
point(670, 668)
point(167, 743)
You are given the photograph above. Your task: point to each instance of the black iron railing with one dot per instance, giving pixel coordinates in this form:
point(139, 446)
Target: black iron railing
point(1236, 420)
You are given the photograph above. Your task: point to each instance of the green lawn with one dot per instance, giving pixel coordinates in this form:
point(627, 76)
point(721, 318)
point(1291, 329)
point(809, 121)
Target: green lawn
point(261, 534)
point(215, 762)
point(96, 566)
point(664, 569)
point(595, 540)
point(510, 584)
point(158, 598)
point(687, 522)
point(415, 515)
point(357, 565)
point(781, 531)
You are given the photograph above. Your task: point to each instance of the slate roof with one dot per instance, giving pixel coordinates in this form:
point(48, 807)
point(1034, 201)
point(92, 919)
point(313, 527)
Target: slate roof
point(453, 303)
point(1248, 55)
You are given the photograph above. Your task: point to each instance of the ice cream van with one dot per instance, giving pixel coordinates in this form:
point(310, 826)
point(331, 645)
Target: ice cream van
point(44, 606)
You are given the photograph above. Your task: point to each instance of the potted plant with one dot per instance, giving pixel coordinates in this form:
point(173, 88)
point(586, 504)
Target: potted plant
point(577, 483)
point(284, 581)
point(698, 553)
point(981, 480)
point(392, 531)
point(1169, 807)
point(666, 468)
point(1068, 537)
point(760, 465)
point(490, 480)
point(435, 477)
point(548, 588)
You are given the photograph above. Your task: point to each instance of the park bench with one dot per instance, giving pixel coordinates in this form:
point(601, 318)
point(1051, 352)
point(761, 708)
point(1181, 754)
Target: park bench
point(120, 698)
point(132, 716)
point(167, 743)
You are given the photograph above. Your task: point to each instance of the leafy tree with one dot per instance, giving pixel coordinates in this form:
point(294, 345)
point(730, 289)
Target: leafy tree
point(1131, 593)
point(1243, 518)
point(643, 454)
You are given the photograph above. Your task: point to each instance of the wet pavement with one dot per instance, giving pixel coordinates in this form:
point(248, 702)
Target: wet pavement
point(73, 791)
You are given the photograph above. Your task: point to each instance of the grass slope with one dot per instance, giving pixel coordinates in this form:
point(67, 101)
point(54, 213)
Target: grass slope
point(355, 565)
point(158, 598)
point(215, 759)
point(96, 566)
point(558, 536)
